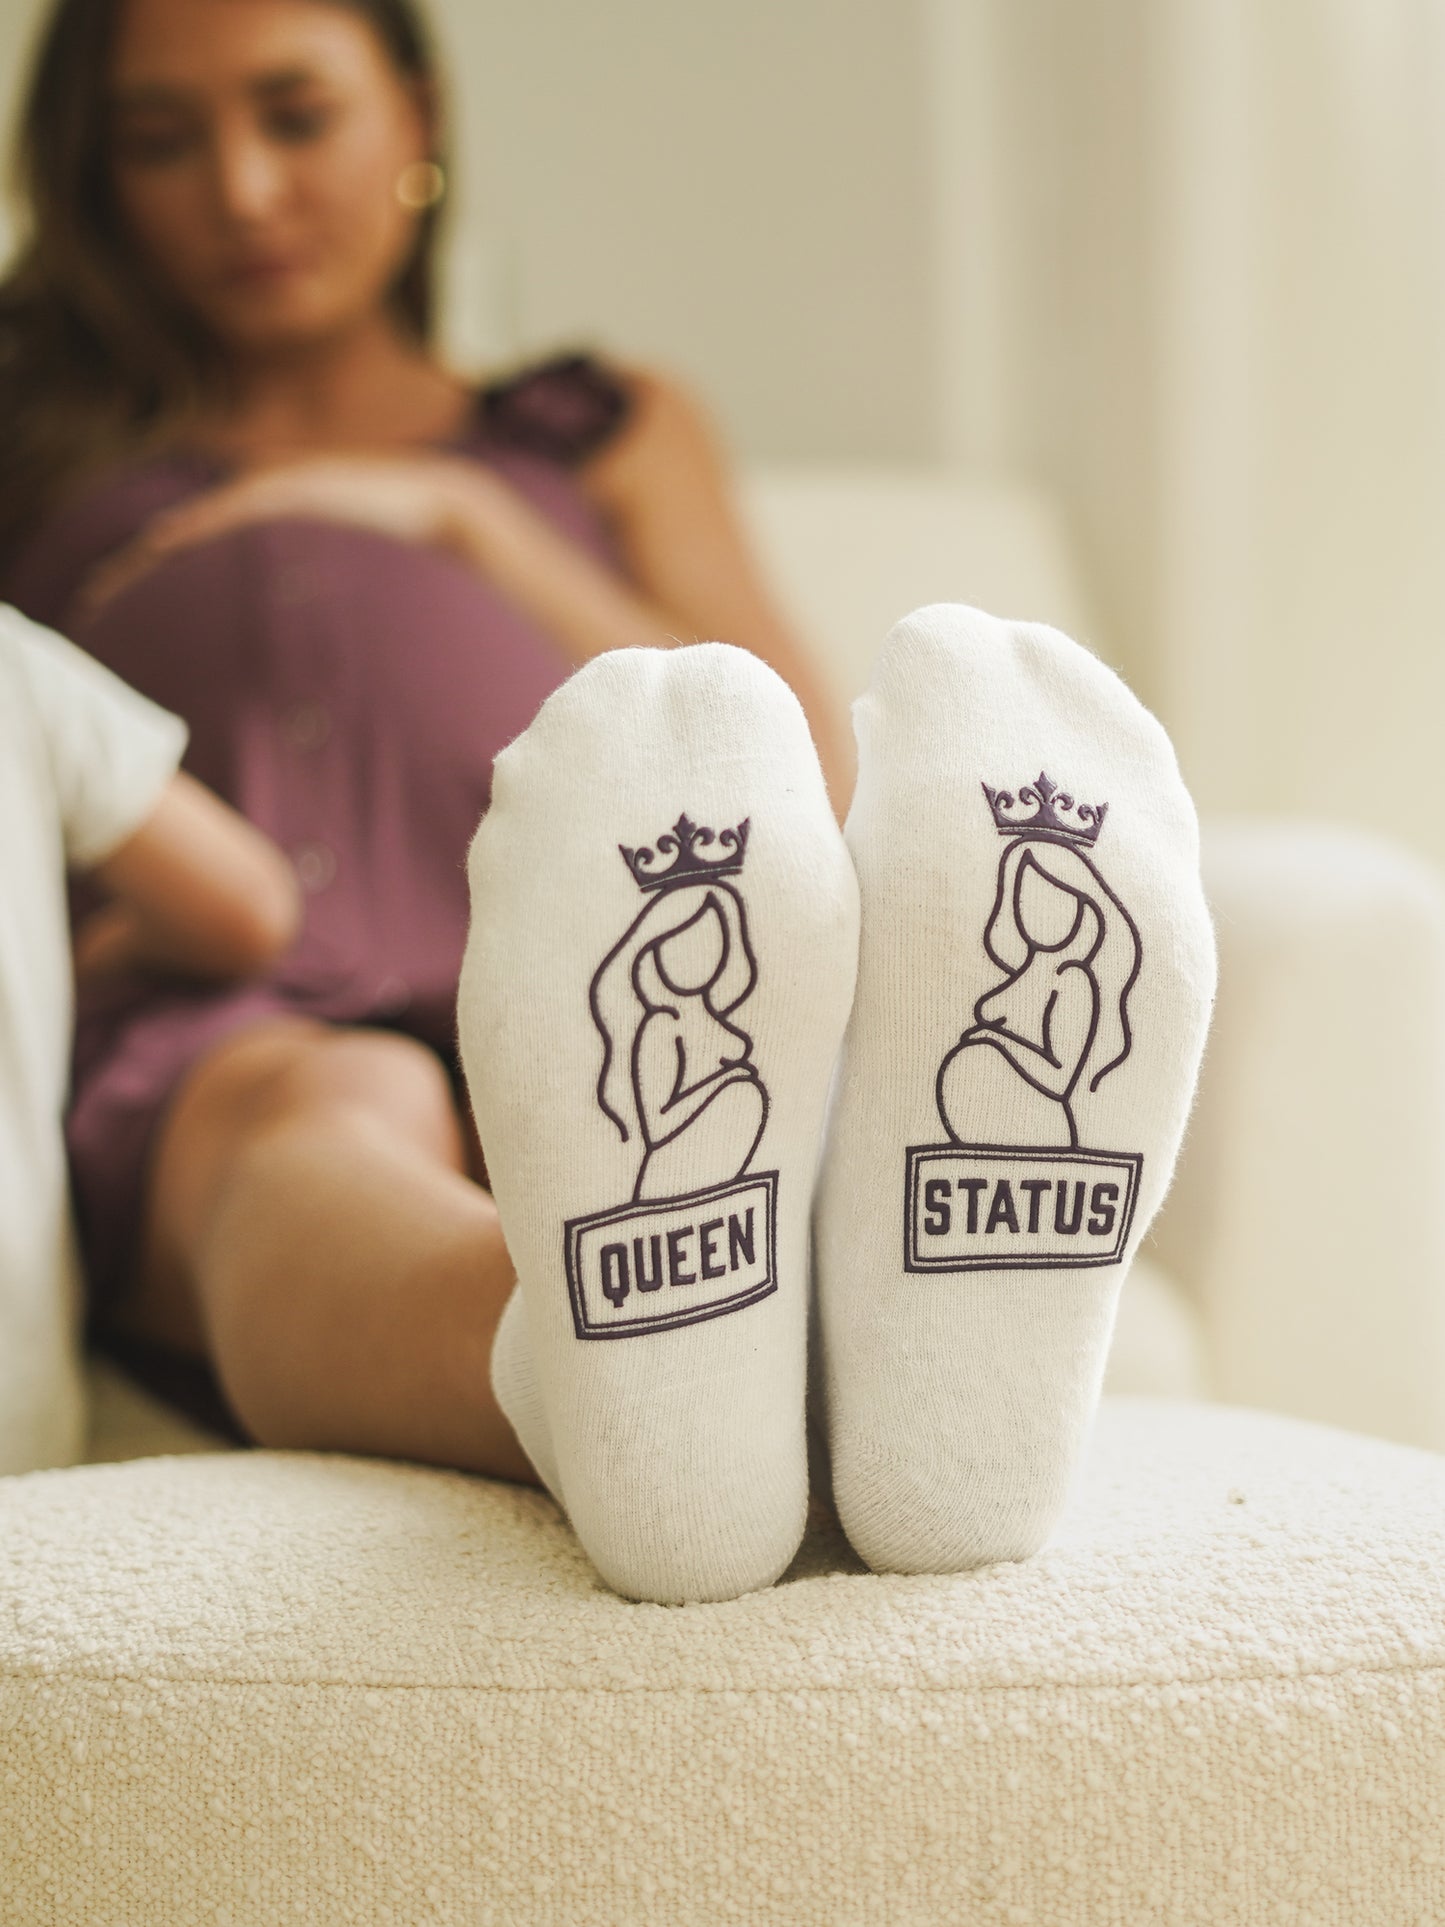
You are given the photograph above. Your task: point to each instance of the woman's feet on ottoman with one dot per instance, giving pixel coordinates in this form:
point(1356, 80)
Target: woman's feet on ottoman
point(660, 964)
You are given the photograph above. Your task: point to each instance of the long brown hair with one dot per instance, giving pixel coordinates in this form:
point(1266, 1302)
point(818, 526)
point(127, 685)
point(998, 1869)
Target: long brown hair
point(94, 361)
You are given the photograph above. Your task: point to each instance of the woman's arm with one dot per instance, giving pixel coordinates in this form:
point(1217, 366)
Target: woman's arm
point(1052, 1061)
point(669, 487)
point(665, 486)
point(196, 889)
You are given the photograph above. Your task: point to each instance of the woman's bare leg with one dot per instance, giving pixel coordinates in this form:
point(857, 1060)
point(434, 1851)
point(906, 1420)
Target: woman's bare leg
point(311, 1229)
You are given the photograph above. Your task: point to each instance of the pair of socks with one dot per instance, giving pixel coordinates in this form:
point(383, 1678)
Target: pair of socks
point(946, 1055)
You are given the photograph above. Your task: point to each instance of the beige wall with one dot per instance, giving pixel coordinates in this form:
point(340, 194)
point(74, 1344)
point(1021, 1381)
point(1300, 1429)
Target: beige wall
point(1047, 313)
point(1192, 275)
point(735, 188)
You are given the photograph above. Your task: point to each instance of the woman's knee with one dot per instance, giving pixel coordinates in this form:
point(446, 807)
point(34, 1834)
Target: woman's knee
point(299, 1068)
point(396, 1078)
point(268, 1081)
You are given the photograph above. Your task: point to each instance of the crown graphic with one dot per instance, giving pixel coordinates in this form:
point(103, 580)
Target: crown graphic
point(685, 842)
point(1052, 809)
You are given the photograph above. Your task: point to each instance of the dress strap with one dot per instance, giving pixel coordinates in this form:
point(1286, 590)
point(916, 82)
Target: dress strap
point(564, 408)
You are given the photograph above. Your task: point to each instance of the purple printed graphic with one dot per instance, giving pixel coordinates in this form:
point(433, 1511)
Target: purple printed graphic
point(1014, 1188)
point(677, 1081)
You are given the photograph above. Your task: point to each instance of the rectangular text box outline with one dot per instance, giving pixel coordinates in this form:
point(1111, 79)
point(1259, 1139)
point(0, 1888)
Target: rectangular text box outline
point(998, 1154)
point(651, 1207)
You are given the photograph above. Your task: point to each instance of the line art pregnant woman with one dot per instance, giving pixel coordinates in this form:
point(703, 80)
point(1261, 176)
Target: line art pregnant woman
point(1056, 1024)
point(677, 1074)
point(1015, 1187)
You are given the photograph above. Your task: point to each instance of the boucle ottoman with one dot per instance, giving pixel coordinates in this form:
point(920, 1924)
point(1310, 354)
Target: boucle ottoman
point(282, 1687)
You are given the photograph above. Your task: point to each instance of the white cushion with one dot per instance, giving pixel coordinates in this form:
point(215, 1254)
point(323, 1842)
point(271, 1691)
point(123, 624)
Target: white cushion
point(268, 1687)
point(1158, 1347)
point(849, 549)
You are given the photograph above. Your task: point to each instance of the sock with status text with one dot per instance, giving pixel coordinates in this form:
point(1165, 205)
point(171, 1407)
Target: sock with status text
point(1036, 970)
point(658, 972)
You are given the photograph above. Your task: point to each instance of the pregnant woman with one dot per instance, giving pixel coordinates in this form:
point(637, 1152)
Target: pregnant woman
point(237, 473)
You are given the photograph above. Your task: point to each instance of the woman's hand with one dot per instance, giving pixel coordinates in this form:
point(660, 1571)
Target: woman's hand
point(667, 486)
point(445, 502)
point(413, 498)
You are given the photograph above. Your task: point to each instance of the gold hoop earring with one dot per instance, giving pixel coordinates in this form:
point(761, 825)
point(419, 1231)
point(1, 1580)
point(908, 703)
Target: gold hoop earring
point(420, 184)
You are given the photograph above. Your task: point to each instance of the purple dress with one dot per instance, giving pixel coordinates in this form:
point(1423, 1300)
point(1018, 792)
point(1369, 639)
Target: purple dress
point(347, 692)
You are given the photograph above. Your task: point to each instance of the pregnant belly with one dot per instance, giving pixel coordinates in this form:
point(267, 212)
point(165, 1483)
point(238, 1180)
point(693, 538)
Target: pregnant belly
point(984, 1100)
point(348, 694)
point(295, 649)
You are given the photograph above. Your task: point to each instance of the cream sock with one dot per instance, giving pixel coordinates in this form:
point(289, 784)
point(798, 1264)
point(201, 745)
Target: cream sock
point(1035, 976)
point(659, 969)
point(518, 1391)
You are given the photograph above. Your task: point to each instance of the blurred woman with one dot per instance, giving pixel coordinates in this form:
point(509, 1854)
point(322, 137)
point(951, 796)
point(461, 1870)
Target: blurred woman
point(238, 473)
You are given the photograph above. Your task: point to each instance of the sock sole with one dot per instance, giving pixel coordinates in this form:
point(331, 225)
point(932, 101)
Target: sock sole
point(657, 976)
point(1035, 975)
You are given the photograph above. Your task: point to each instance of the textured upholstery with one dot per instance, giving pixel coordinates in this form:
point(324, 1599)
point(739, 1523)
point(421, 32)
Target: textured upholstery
point(268, 1687)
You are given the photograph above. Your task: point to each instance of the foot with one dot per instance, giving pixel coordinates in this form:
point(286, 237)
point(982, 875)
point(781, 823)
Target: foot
point(1035, 976)
point(659, 969)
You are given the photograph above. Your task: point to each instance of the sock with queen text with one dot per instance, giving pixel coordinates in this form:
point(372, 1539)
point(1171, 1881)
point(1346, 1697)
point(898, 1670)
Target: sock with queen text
point(658, 971)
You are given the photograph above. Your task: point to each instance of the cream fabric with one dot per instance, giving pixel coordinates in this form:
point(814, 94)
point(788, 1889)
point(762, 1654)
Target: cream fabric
point(1028, 1026)
point(849, 547)
point(83, 761)
point(1158, 1343)
point(660, 964)
point(268, 1687)
point(1305, 1220)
